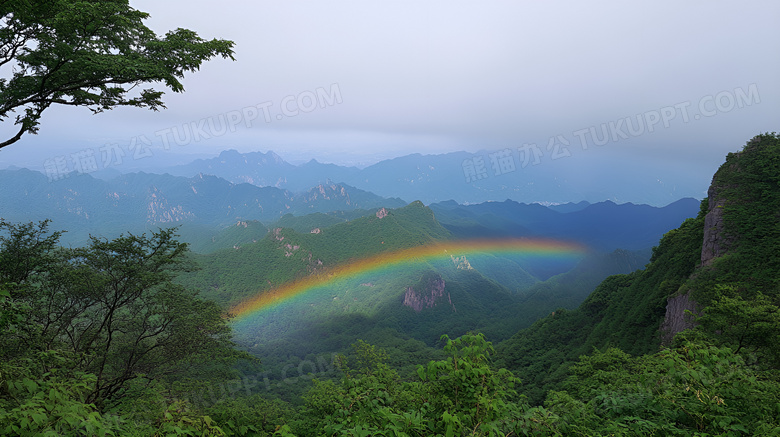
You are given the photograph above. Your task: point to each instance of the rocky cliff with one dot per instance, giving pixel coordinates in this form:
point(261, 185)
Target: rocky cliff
point(681, 308)
point(680, 314)
point(742, 221)
point(429, 297)
point(716, 242)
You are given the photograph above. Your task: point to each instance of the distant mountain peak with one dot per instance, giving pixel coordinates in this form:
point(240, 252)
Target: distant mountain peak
point(437, 177)
point(229, 153)
point(276, 158)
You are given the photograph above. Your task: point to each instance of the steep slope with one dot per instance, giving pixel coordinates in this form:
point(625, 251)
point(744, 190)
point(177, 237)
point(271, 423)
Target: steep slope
point(624, 311)
point(206, 239)
point(488, 292)
point(284, 254)
point(742, 230)
point(733, 250)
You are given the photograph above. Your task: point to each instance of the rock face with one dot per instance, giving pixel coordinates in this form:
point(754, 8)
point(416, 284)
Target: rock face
point(420, 300)
point(382, 213)
point(159, 210)
point(715, 242)
point(461, 263)
point(676, 319)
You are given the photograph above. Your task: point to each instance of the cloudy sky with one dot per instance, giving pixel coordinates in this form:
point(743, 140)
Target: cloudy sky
point(671, 84)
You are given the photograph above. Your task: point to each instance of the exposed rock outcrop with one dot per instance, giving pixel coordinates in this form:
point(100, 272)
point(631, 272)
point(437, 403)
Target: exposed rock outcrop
point(715, 241)
point(159, 210)
point(420, 300)
point(676, 319)
point(461, 263)
point(382, 213)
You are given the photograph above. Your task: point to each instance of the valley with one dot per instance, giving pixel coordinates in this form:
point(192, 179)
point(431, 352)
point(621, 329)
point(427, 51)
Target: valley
point(396, 219)
point(334, 286)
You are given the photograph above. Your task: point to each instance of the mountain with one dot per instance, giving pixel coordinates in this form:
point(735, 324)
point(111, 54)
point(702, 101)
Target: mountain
point(261, 169)
point(569, 206)
point(603, 226)
point(609, 226)
point(137, 202)
point(720, 266)
point(686, 346)
point(405, 309)
point(208, 239)
point(463, 177)
point(231, 275)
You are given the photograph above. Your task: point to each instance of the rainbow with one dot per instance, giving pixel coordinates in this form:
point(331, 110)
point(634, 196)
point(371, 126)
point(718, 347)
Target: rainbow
point(268, 299)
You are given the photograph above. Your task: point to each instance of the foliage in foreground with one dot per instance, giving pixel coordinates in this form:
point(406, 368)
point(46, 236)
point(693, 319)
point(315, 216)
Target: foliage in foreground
point(91, 53)
point(692, 389)
point(91, 335)
point(57, 306)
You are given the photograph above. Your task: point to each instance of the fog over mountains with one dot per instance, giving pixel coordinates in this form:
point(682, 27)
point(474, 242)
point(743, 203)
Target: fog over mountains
point(460, 176)
point(208, 196)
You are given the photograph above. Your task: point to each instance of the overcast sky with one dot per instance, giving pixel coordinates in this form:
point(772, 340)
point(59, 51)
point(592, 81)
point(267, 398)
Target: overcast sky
point(351, 82)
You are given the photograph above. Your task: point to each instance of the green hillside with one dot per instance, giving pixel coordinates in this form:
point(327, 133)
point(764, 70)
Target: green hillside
point(404, 310)
point(206, 239)
point(116, 338)
point(739, 285)
point(231, 275)
point(624, 311)
point(306, 223)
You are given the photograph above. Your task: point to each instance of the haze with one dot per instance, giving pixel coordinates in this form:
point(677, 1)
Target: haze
point(697, 79)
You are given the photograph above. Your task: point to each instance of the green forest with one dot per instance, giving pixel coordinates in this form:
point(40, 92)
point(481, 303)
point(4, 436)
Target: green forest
point(122, 338)
point(135, 334)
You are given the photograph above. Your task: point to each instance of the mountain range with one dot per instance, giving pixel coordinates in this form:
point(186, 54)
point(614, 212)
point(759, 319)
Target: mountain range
point(204, 205)
point(713, 277)
point(677, 339)
point(491, 292)
point(460, 176)
point(604, 226)
point(137, 202)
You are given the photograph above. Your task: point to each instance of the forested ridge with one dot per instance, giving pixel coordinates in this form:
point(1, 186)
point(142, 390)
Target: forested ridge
point(114, 339)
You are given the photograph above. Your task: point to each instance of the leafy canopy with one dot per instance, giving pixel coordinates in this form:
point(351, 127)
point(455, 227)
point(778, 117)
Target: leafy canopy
point(90, 53)
point(112, 307)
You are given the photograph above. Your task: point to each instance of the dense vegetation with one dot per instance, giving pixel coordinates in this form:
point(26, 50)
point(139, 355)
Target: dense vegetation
point(231, 274)
point(494, 294)
point(624, 311)
point(96, 338)
point(101, 341)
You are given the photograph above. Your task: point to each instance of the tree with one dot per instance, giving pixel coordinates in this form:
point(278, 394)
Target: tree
point(90, 53)
point(751, 323)
point(694, 389)
point(112, 306)
point(463, 394)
